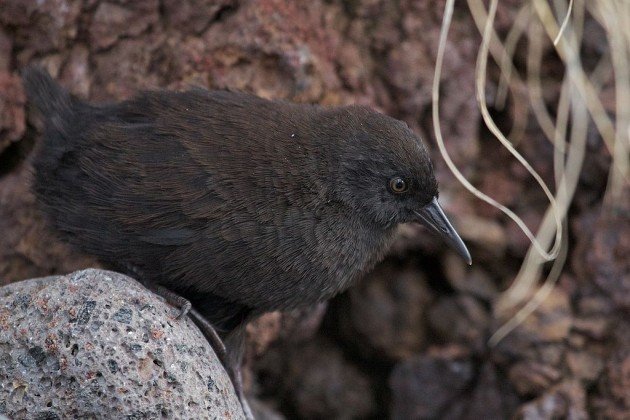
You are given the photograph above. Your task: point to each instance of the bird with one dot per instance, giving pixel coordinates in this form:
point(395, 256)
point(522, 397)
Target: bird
point(237, 204)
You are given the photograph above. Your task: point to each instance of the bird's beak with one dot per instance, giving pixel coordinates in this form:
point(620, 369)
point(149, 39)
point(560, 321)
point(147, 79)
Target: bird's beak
point(432, 216)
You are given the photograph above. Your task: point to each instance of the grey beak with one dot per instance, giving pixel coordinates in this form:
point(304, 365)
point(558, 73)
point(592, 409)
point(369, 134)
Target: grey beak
point(432, 216)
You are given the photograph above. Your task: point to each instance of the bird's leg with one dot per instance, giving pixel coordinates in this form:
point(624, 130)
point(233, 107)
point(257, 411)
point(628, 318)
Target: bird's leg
point(202, 323)
point(237, 381)
point(235, 347)
point(231, 361)
point(212, 336)
point(229, 353)
point(171, 297)
point(230, 357)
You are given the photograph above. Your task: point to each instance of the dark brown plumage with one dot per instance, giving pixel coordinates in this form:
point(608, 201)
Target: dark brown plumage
point(242, 205)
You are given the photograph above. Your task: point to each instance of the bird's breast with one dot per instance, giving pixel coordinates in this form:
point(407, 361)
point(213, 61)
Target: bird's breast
point(304, 260)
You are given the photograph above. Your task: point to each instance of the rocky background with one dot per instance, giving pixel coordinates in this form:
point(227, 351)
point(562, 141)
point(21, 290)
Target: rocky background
point(411, 340)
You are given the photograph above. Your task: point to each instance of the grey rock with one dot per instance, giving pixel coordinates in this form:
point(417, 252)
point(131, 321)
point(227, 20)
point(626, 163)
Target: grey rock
point(97, 344)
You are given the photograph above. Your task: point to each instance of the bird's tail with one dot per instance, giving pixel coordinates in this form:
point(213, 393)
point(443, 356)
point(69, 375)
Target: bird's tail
point(46, 94)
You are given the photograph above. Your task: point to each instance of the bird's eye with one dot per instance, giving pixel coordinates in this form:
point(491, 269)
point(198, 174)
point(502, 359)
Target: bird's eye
point(398, 185)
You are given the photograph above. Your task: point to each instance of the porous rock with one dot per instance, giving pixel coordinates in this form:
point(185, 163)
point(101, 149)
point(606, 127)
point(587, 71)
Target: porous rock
point(97, 344)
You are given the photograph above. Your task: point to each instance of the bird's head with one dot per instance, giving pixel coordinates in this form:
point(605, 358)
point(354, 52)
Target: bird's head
point(384, 173)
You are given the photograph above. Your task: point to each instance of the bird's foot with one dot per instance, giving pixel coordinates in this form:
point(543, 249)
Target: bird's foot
point(209, 332)
point(171, 297)
point(175, 300)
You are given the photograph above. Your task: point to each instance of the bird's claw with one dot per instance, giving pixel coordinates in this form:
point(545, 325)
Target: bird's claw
point(184, 309)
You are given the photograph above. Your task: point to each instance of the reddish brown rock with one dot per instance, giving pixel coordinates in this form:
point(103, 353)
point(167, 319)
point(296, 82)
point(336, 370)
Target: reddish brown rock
point(595, 327)
point(585, 365)
point(566, 400)
point(75, 74)
point(606, 258)
point(612, 399)
point(485, 233)
point(469, 280)
point(124, 69)
point(28, 248)
point(281, 51)
point(321, 383)
point(112, 21)
point(424, 386)
point(193, 16)
point(532, 378)
point(301, 324)
point(534, 354)
point(461, 319)
point(41, 27)
point(291, 326)
point(490, 398)
point(541, 335)
point(6, 45)
point(12, 117)
point(385, 313)
point(286, 328)
point(263, 331)
point(421, 23)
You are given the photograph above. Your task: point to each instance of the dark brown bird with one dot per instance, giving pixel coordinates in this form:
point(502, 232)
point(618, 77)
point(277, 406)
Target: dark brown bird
point(239, 204)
